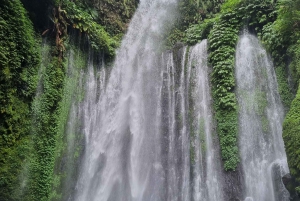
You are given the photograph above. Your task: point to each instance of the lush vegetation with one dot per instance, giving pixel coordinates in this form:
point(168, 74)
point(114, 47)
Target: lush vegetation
point(19, 60)
point(80, 18)
point(50, 111)
point(35, 104)
point(114, 15)
point(234, 16)
point(287, 27)
point(44, 131)
point(274, 24)
point(193, 14)
point(104, 21)
point(222, 41)
point(291, 130)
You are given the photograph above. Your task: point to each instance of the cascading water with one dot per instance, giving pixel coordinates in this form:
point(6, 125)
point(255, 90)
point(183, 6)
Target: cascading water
point(138, 118)
point(125, 158)
point(260, 123)
point(148, 126)
point(207, 181)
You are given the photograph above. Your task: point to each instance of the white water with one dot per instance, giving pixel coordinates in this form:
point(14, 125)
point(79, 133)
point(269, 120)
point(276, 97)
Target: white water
point(148, 121)
point(124, 157)
point(207, 181)
point(261, 115)
point(136, 120)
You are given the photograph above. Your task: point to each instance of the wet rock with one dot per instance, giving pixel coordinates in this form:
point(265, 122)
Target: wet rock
point(290, 184)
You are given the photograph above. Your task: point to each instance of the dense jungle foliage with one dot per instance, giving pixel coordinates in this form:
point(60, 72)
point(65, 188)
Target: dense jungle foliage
point(19, 60)
point(35, 88)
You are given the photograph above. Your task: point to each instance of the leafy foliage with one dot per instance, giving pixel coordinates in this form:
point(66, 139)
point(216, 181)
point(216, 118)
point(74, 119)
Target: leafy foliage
point(50, 110)
point(287, 30)
point(84, 21)
point(194, 23)
point(222, 39)
point(31, 128)
point(45, 111)
point(198, 32)
point(222, 42)
point(195, 11)
point(114, 15)
point(19, 59)
point(291, 137)
point(229, 5)
point(288, 21)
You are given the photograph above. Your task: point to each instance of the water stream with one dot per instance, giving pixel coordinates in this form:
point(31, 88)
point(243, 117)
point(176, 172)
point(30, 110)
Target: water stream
point(206, 177)
point(260, 123)
point(124, 120)
point(136, 119)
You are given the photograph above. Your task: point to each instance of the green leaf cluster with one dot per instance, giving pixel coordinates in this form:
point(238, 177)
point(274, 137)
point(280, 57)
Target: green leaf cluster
point(19, 60)
point(222, 42)
point(230, 5)
point(291, 137)
point(277, 45)
point(43, 130)
point(286, 52)
point(114, 15)
point(195, 22)
point(84, 21)
point(50, 112)
point(197, 32)
point(195, 11)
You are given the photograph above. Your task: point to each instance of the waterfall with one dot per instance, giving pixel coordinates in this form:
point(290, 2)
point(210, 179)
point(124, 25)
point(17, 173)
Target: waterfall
point(141, 117)
point(126, 128)
point(138, 147)
point(261, 115)
point(148, 125)
point(207, 181)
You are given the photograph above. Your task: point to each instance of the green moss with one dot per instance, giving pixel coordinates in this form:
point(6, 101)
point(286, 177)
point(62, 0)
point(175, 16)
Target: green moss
point(230, 5)
point(222, 41)
point(72, 93)
point(197, 32)
point(84, 21)
point(195, 22)
point(104, 22)
point(45, 129)
point(291, 136)
point(283, 86)
point(281, 39)
point(114, 15)
point(19, 59)
point(58, 86)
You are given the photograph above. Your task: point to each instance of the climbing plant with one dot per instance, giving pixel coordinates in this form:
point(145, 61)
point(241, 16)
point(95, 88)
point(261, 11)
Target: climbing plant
point(222, 59)
point(286, 49)
point(19, 60)
point(79, 19)
point(233, 17)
